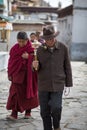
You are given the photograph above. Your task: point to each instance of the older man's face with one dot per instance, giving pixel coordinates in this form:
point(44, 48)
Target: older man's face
point(50, 42)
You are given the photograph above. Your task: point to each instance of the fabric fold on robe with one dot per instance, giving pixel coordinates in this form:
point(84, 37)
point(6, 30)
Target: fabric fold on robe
point(31, 80)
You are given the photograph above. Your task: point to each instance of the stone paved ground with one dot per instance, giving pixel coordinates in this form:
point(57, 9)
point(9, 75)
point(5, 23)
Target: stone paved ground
point(74, 115)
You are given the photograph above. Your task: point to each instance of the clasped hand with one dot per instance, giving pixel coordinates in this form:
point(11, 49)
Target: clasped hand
point(25, 55)
point(35, 64)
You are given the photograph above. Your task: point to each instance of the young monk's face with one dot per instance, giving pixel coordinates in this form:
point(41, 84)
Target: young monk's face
point(22, 42)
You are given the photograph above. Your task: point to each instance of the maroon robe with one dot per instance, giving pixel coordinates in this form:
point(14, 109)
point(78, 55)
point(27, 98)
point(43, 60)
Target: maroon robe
point(23, 89)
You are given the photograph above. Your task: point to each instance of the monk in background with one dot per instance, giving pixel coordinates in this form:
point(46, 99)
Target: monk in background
point(23, 90)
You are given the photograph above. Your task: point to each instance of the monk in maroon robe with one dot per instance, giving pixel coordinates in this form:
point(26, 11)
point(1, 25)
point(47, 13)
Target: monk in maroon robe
point(23, 90)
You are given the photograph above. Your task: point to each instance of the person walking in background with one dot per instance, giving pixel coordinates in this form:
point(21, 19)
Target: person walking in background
point(23, 90)
point(38, 36)
point(33, 37)
point(54, 72)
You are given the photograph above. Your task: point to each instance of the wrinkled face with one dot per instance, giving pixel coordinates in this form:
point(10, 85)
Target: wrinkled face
point(50, 42)
point(22, 42)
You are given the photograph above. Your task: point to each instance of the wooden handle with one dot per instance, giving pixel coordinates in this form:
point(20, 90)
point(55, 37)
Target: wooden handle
point(35, 55)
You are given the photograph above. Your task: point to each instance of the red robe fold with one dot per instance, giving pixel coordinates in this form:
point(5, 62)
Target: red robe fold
point(23, 89)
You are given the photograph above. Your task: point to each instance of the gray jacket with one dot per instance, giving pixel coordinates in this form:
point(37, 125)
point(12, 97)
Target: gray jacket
point(54, 68)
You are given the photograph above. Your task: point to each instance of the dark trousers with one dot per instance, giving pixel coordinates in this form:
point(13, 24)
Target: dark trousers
point(50, 109)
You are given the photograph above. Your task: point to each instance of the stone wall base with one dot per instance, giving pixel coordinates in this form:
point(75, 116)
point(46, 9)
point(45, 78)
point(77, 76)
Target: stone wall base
point(3, 60)
point(78, 52)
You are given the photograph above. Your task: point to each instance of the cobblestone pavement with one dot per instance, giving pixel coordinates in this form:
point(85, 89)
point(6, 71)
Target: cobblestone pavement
point(74, 115)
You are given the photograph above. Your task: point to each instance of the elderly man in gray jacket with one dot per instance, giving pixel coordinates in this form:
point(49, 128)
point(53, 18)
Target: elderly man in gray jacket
point(54, 72)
